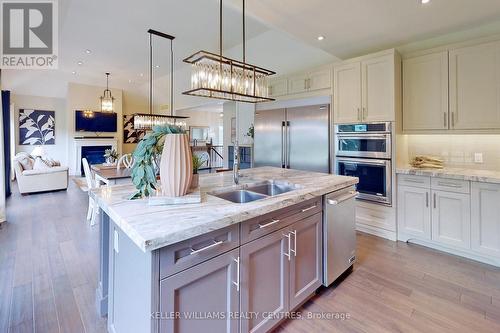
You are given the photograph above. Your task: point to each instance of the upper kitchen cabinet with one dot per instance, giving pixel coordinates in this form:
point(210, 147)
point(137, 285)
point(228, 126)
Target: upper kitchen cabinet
point(455, 88)
point(302, 83)
point(366, 89)
point(297, 84)
point(474, 87)
point(278, 87)
point(425, 92)
point(347, 93)
point(378, 88)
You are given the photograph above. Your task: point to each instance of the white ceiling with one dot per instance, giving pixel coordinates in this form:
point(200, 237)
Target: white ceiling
point(115, 32)
point(281, 36)
point(355, 27)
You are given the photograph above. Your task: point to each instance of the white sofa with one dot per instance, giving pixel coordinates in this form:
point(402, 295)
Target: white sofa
point(32, 181)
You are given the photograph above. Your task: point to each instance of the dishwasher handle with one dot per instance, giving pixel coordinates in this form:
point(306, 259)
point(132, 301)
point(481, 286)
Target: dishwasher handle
point(343, 198)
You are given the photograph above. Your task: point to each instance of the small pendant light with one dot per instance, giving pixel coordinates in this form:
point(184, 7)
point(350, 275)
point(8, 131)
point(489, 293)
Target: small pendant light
point(107, 99)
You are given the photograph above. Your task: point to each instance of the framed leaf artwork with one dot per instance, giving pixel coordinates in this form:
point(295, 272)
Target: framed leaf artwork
point(37, 127)
point(130, 135)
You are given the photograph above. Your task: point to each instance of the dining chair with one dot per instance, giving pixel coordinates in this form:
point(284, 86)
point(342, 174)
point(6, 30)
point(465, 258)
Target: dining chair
point(127, 160)
point(93, 209)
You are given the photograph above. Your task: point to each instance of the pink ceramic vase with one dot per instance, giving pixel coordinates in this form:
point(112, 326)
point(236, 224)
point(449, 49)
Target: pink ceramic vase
point(176, 166)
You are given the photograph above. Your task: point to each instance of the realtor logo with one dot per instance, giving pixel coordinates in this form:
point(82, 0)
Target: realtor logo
point(29, 34)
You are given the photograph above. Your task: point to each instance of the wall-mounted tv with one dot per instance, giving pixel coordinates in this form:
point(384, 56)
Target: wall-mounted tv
point(86, 121)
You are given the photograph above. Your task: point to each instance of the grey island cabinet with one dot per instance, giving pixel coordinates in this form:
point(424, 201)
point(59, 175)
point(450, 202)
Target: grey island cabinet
point(215, 266)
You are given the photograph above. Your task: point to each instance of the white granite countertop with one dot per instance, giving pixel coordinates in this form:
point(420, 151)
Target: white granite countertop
point(153, 227)
point(484, 176)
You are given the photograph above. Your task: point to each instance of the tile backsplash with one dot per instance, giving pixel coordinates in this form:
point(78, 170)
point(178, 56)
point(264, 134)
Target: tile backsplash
point(457, 150)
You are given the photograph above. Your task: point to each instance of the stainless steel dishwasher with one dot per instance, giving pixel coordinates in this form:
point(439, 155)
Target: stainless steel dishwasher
point(339, 233)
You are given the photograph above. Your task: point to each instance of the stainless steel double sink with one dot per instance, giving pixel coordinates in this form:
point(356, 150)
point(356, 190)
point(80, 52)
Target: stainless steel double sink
point(257, 191)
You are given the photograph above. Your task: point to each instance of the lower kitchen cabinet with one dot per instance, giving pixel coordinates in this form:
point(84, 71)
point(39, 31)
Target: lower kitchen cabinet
point(264, 280)
point(306, 259)
point(202, 290)
point(414, 212)
point(451, 218)
point(279, 272)
point(457, 216)
point(485, 212)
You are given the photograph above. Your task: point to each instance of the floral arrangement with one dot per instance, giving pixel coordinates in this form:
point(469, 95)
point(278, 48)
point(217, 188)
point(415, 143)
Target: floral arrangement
point(146, 155)
point(111, 155)
point(197, 163)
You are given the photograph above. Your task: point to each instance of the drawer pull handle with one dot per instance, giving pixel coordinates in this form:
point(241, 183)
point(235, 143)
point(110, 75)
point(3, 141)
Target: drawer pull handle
point(294, 233)
point(449, 185)
point(306, 209)
point(237, 283)
point(268, 224)
point(208, 247)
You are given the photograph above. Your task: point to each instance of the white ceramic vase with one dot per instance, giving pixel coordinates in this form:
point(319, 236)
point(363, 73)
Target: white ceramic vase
point(176, 165)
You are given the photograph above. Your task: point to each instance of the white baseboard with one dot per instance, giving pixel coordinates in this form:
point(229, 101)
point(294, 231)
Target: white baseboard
point(390, 235)
point(451, 250)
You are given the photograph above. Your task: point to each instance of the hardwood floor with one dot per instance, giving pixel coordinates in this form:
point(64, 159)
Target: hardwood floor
point(399, 287)
point(48, 264)
point(48, 276)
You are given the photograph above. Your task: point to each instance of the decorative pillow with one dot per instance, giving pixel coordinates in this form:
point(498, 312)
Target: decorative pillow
point(40, 164)
point(26, 161)
point(51, 162)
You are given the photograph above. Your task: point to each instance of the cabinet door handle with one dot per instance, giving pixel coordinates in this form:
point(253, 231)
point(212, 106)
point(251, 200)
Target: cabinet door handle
point(268, 224)
point(237, 283)
point(289, 242)
point(294, 233)
point(426, 199)
point(306, 209)
point(208, 247)
point(453, 119)
point(434, 200)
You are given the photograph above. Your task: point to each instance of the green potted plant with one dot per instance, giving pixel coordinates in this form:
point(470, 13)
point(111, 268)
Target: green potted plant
point(111, 155)
point(176, 165)
point(197, 163)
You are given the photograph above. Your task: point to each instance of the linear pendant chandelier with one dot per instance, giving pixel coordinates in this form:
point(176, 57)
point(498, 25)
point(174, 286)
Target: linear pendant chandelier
point(146, 121)
point(216, 76)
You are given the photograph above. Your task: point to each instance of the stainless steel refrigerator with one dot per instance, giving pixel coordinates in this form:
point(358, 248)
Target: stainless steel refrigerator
point(293, 138)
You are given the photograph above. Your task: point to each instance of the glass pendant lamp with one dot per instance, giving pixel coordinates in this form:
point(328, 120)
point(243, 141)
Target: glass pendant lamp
point(107, 99)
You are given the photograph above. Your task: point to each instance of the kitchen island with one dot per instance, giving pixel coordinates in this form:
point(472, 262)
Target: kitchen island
point(214, 266)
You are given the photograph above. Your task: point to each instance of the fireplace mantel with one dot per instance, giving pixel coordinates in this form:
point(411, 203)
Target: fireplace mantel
point(78, 143)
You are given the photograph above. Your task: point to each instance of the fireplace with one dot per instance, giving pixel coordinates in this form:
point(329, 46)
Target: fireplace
point(92, 148)
point(93, 154)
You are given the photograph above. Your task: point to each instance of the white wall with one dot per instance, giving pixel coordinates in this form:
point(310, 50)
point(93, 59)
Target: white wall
point(57, 151)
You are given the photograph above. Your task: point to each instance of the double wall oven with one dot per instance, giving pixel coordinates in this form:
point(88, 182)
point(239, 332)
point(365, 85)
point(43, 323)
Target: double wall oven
point(365, 151)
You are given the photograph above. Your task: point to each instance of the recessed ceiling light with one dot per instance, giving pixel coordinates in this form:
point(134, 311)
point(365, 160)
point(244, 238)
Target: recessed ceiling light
point(80, 63)
point(321, 38)
point(425, 1)
point(73, 72)
point(157, 66)
point(88, 51)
